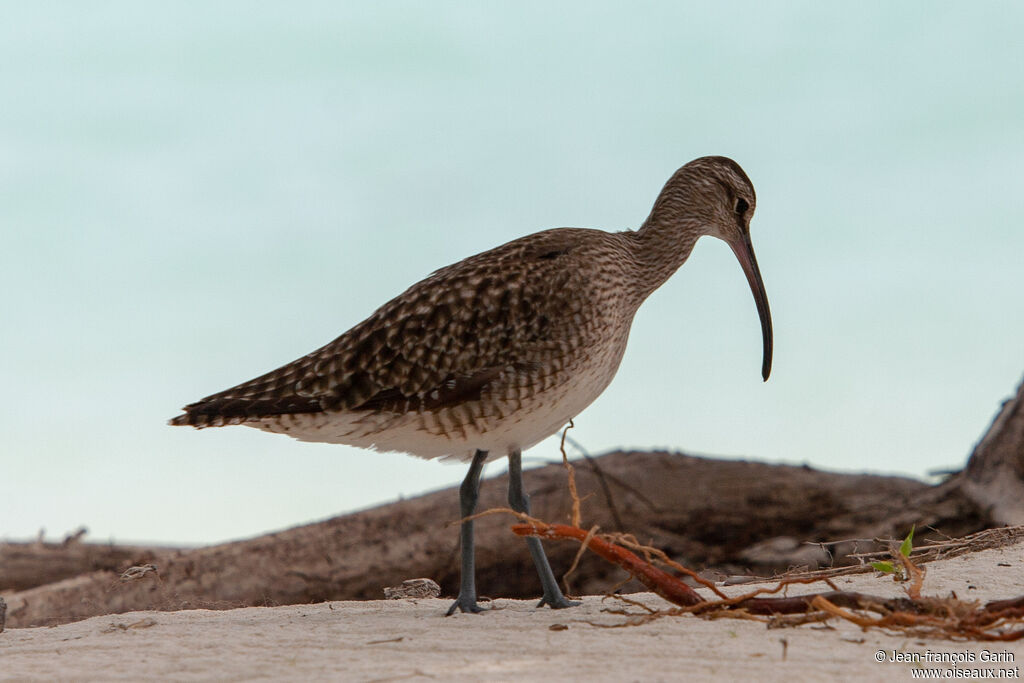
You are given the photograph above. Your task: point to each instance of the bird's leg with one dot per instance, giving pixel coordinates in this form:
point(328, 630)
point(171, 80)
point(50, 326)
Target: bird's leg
point(520, 502)
point(468, 493)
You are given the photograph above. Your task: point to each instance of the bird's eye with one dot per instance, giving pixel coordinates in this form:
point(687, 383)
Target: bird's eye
point(741, 206)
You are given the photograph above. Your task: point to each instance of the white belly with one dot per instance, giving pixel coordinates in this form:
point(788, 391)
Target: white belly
point(497, 426)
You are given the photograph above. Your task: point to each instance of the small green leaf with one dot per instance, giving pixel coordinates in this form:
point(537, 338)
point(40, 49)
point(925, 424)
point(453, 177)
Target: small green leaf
point(885, 567)
point(908, 543)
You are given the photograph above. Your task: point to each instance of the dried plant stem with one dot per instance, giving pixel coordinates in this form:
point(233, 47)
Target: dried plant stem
point(572, 478)
point(1001, 620)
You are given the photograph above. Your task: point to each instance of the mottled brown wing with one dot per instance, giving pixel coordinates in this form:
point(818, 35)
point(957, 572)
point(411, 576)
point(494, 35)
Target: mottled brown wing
point(439, 343)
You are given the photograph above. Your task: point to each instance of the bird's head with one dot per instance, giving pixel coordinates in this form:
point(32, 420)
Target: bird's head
point(713, 196)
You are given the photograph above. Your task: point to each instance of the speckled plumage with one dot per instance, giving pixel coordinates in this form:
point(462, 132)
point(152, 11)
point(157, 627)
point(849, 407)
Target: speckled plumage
point(498, 351)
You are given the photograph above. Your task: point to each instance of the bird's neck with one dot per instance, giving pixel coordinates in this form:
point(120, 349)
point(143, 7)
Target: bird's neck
point(660, 247)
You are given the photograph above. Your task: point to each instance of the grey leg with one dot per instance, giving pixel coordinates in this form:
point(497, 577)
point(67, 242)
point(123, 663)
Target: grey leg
point(520, 502)
point(468, 493)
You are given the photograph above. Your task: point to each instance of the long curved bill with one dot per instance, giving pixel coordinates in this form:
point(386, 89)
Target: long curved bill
point(744, 251)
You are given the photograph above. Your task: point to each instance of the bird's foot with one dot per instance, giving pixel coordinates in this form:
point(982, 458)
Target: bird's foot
point(466, 605)
point(557, 601)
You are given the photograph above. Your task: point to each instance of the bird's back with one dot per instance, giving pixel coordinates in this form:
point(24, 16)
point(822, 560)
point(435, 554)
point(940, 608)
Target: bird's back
point(495, 352)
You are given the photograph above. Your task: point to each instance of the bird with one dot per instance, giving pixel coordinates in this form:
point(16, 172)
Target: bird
point(486, 357)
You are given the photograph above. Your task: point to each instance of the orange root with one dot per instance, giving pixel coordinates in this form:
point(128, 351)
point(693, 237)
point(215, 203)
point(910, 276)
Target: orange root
point(658, 581)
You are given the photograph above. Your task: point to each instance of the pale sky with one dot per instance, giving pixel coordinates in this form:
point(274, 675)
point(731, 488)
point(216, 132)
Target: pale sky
point(193, 195)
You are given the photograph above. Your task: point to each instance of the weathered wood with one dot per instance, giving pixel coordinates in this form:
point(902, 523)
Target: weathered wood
point(27, 565)
point(702, 512)
point(994, 476)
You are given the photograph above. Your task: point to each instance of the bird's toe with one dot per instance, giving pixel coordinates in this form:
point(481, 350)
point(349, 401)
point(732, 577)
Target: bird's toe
point(467, 605)
point(558, 602)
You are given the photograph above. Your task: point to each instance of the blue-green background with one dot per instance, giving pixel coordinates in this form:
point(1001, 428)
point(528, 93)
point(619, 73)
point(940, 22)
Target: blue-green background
point(193, 193)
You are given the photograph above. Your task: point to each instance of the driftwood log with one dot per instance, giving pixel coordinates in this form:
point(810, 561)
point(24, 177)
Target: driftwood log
point(726, 515)
point(27, 565)
point(732, 515)
point(994, 476)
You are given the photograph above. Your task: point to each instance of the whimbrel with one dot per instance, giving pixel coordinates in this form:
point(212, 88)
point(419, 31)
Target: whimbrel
point(489, 356)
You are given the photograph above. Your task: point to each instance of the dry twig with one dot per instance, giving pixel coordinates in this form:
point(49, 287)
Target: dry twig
point(914, 614)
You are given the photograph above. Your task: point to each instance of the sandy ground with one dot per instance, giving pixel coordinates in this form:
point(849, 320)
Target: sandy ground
point(410, 640)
